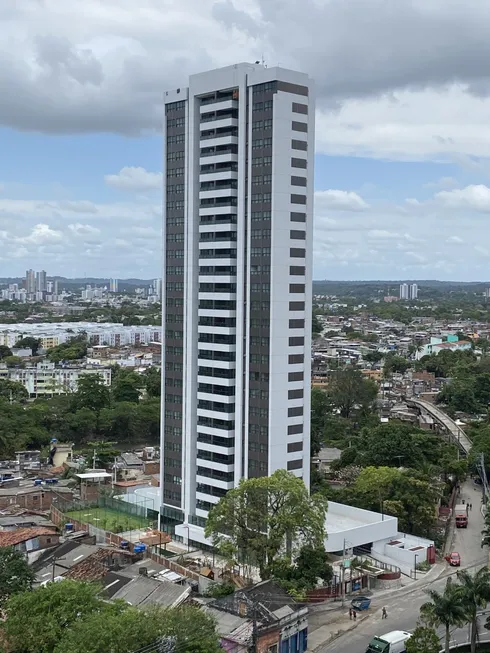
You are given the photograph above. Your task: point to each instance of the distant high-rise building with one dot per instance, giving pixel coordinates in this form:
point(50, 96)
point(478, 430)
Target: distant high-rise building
point(30, 282)
point(41, 284)
point(157, 287)
point(238, 207)
point(113, 285)
point(414, 291)
point(404, 291)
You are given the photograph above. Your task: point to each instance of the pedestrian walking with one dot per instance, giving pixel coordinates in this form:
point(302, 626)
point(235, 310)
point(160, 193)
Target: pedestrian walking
point(350, 614)
point(384, 614)
point(354, 614)
point(471, 506)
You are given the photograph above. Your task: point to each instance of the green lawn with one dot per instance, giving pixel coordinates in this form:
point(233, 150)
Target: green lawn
point(108, 519)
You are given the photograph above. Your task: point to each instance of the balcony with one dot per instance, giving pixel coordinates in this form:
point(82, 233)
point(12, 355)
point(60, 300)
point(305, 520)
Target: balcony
point(223, 139)
point(218, 193)
point(209, 105)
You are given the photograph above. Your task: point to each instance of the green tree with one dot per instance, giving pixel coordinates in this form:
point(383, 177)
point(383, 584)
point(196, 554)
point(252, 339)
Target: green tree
point(373, 357)
point(13, 361)
point(445, 609)
point(74, 349)
point(316, 325)
point(152, 379)
point(303, 574)
point(475, 593)
point(265, 518)
point(91, 393)
point(52, 611)
point(5, 352)
point(30, 343)
point(389, 445)
point(15, 574)
point(320, 409)
point(348, 389)
point(126, 386)
point(423, 640)
point(13, 391)
point(395, 364)
point(128, 629)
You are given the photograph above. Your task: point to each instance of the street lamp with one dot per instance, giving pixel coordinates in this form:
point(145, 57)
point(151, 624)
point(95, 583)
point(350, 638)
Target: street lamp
point(415, 568)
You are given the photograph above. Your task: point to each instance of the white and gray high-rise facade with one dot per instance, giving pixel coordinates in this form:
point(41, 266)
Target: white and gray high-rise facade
point(238, 219)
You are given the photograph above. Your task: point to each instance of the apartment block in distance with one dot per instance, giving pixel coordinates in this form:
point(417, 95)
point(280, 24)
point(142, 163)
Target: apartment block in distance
point(238, 209)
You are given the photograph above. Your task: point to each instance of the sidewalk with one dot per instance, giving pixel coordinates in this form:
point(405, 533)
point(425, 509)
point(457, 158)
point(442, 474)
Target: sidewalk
point(334, 618)
point(338, 623)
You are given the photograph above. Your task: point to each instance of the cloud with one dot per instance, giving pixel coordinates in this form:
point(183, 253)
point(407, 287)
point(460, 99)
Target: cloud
point(475, 197)
point(135, 180)
point(42, 233)
point(339, 200)
point(455, 239)
point(103, 67)
point(83, 230)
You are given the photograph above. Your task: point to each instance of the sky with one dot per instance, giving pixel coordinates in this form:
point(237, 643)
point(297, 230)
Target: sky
point(402, 178)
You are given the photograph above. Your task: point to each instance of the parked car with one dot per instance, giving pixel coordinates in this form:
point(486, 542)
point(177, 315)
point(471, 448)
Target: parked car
point(454, 559)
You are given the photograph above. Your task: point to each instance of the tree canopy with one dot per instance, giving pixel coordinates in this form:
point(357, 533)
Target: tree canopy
point(264, 519)
point(72, 617)
point(15, 574)
point(349, 390)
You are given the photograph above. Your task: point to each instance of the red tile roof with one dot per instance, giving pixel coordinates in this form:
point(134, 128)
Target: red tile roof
point(11, 538)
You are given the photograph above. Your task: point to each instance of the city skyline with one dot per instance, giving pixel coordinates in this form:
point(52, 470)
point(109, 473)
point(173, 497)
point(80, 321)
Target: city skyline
point(402, 175)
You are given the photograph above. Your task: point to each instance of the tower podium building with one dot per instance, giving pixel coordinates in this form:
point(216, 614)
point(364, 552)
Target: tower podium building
point(238, 210)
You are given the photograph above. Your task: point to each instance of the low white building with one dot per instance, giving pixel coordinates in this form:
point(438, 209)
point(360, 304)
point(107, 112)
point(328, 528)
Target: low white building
point(348, 527)
point(46, 379)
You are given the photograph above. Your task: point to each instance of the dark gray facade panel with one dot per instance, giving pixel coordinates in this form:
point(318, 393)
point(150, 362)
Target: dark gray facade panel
point(295, 464)
point(298, 126)
point(297, 252)
point(298, 181)
point(296, 306)
point(296, 162)
point(297, 270)
point(296, 341)
point(297, 144)
point(295, 429)
point(296, 89)
point(296, 288)
point(296, 376)
point(298, 199)
point(297, 107)
point(259, 277)
point(173, 294)
point(296, 394)
point(297, 216)
point(295, 359)
point(297, 234)
point(295, 446)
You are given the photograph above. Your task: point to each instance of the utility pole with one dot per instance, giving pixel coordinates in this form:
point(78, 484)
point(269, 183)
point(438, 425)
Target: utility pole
point(342, 576)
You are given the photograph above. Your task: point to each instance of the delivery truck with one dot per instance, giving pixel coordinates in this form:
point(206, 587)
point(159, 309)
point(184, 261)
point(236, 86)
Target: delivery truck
point(393, 642)
point(461, 515)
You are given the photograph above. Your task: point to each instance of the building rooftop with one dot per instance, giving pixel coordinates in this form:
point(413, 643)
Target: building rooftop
point(19, 535)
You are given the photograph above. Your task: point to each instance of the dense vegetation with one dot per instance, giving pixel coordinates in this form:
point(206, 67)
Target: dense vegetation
point(394, 468)
point(128, 411)
point(73, 617)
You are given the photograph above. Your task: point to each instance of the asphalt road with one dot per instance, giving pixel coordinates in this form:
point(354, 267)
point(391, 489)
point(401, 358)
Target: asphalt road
point(403, 608)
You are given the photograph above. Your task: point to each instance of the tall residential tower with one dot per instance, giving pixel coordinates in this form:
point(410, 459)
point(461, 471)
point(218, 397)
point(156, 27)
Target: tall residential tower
point(238, 209)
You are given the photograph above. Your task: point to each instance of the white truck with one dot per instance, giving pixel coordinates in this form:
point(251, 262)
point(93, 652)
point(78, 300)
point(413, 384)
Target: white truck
point(393, 642)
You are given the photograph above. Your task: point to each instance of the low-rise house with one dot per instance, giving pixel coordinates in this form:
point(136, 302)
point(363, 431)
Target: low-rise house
point(282, 624)
point(33, 497)
point(29, 539)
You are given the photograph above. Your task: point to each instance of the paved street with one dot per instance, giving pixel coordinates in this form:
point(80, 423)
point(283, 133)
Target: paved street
point(403, 607)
